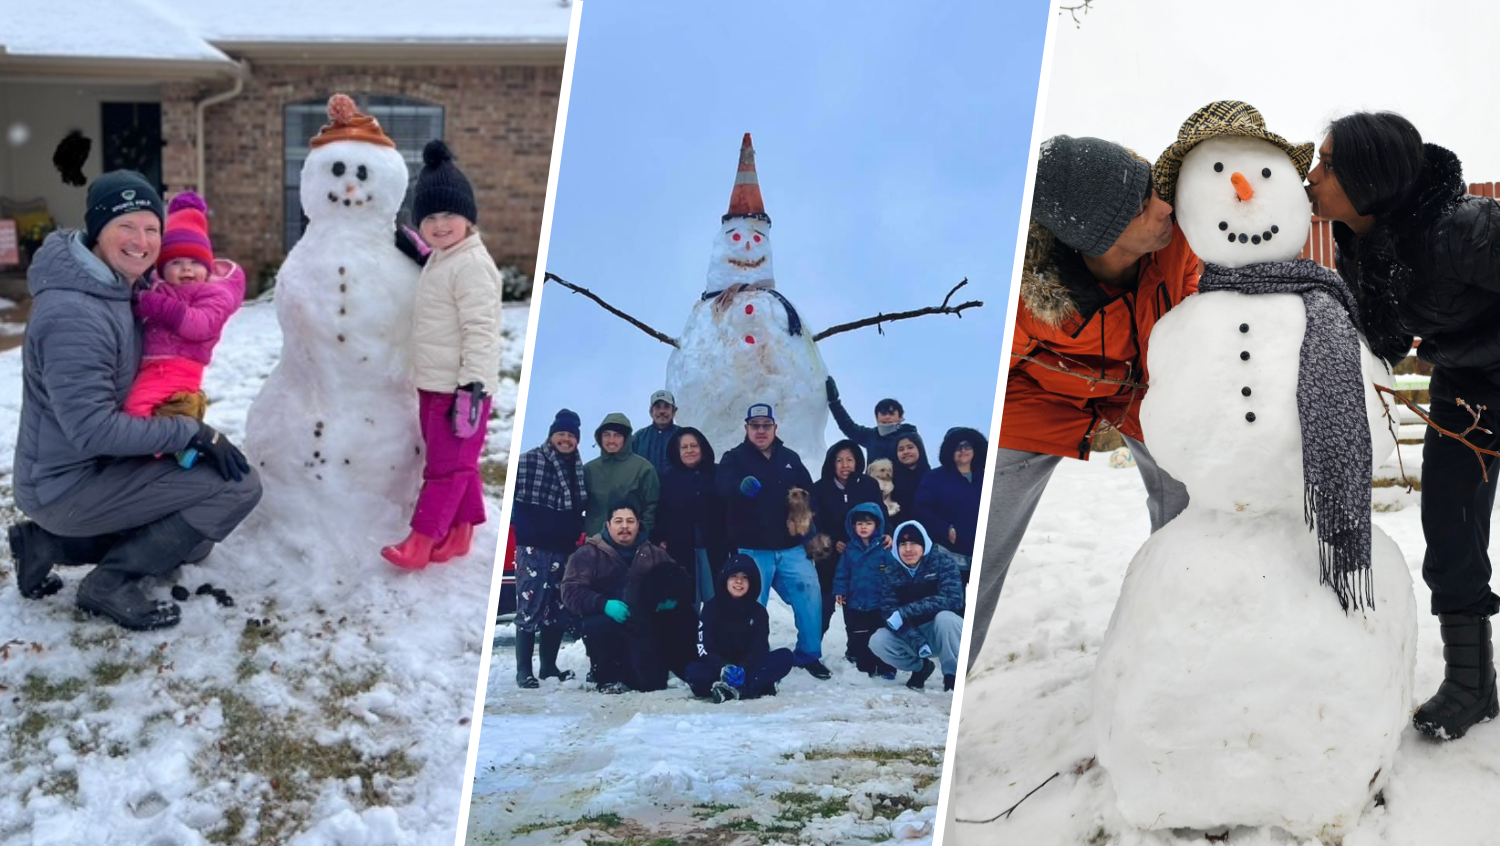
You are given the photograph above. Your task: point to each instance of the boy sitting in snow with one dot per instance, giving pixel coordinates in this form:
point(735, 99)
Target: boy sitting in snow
point(923, 600)
point(857, 585)
point(735, 660)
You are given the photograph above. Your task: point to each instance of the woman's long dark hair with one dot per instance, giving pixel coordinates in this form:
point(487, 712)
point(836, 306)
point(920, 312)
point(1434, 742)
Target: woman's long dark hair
point(1377, 160)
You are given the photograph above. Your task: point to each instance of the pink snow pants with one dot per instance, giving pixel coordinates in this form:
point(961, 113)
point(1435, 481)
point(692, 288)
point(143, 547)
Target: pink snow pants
point(451, 489)
point(158, 380)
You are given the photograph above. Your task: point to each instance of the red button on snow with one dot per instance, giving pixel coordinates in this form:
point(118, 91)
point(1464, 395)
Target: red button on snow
point(749, 339)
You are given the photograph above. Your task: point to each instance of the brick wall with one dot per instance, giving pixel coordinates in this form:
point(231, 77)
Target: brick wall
point(499, 121)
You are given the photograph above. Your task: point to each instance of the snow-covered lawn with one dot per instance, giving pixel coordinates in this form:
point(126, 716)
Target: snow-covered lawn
point(331, 704)
point(849, 760)
point(1027, 707)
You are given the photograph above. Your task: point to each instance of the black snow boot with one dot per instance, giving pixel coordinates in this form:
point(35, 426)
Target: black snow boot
point(525, 645)
point(949, 681)
point(34, 551)
point(551, 642)
point(919, 677)
point(113, 590)
point(1467, 694)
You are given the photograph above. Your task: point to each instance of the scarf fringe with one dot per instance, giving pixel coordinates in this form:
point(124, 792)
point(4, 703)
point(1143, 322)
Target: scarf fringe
point(1341, 565)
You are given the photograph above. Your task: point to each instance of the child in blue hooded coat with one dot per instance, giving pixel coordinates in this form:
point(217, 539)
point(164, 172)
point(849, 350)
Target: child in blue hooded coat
point(735, 659)
point(859, 581)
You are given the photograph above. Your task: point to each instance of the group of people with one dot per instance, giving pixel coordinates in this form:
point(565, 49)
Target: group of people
point(114, 464)
point(1105, 260)
point(664, 555)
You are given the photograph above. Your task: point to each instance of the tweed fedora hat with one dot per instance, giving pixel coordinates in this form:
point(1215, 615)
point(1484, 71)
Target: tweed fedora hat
point(1221, 118)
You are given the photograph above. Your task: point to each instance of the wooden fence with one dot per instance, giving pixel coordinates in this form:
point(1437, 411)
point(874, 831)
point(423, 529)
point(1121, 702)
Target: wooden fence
point(1319, 246)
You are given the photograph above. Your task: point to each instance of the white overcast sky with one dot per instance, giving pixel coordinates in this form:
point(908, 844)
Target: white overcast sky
point(1136, 69)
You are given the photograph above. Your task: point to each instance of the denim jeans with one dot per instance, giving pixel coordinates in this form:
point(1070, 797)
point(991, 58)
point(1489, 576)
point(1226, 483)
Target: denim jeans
point(796, 582)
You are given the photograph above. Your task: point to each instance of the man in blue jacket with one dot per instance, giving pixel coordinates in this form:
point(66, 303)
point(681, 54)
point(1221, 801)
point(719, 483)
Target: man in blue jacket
point(754, 479)
point(923, 600)
point(86, 472)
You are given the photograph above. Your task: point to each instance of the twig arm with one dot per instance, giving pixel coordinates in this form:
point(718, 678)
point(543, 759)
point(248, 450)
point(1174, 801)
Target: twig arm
point(944, 308)
point(579, 289)
point(1006, 812)
point(1459, 436)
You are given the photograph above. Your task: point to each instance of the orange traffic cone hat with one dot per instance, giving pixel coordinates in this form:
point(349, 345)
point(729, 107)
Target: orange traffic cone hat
point(744, 200)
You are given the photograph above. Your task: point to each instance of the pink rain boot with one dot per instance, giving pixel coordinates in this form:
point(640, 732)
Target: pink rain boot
point(455, 544)
point(410, 554)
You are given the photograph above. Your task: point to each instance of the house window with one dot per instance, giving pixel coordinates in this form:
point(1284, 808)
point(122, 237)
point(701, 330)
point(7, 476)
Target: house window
point(410, 123)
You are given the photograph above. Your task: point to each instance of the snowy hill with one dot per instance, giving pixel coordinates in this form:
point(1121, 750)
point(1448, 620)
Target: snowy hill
point(329, 706)
point(1027, 707)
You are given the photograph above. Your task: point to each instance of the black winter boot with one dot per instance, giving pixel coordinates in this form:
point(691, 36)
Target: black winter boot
point(113, 590)
point(525, 646)
point(1467, 695)
point(551, 642)
point(919, 677)
point(35, 550)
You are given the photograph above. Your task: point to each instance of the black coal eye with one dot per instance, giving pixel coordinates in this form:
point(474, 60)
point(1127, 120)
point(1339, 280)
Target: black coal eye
point(338, 168)
point(364, 174)
point(1218, 167)
point(1223, 226)
point(1265, 171)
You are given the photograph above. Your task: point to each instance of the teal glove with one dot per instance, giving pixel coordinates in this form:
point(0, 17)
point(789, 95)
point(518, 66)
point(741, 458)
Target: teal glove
point(617, 611)
point(666, 605)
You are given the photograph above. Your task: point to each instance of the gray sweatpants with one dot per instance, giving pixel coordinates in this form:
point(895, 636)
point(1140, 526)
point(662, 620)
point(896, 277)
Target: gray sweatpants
point(943, 635)
point(1020, 479)
point(128, 493)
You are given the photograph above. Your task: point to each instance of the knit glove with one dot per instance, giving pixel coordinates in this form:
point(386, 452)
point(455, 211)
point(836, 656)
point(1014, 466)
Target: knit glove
point(617, 611)
point(225, 457)
point(894, 621)
point(468, 403)
point(750, 486)
point(666, 605)
point(833, 390)
point(733, 675)
point(1430, 352)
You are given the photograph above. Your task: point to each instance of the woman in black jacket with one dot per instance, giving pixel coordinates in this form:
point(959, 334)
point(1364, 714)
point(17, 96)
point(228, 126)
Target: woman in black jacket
point(842, 486)
point(690, 513)
point(1424, 259)
point(910, 467)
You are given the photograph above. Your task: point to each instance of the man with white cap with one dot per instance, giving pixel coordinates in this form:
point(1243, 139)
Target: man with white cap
point(754, 479)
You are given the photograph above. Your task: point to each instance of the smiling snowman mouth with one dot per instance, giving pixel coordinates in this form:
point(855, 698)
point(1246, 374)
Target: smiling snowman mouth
point(748, 265)
point(1244, 238)
point(335, 199)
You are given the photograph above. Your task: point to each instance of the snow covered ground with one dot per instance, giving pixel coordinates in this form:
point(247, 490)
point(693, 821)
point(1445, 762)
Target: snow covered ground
point(329, 706)
point(1027, 707)
point(849, 760)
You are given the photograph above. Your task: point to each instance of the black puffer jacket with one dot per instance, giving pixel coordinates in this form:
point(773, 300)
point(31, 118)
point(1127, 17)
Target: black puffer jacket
point(1438, 256)
point(690, 513)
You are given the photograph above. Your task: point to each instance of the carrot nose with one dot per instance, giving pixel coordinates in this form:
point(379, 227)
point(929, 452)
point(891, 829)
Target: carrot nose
point(1242, 186)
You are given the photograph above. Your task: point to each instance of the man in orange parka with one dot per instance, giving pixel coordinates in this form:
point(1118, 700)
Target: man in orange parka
point(1103, 263)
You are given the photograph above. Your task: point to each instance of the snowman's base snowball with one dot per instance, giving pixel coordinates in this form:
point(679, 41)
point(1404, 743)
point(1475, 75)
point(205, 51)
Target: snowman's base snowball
point(1231, 689)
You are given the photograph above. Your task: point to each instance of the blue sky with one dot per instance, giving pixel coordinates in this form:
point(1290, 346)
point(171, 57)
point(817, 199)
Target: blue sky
point(891, 150)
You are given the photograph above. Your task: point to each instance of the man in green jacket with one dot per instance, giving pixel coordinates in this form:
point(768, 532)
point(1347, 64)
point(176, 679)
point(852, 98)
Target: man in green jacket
point(618, 475)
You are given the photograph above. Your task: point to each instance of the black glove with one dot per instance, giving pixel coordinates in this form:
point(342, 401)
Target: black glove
point(833, 390)
point(468, 403)
point(1430, 352)
point(223, 455)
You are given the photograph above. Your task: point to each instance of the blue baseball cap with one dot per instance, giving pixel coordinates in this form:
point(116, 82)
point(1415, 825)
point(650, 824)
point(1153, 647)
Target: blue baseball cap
point(760, 409)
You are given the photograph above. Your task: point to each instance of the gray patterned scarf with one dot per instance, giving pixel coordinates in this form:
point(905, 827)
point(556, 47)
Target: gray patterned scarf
point(1331, 413)
point(542, 479)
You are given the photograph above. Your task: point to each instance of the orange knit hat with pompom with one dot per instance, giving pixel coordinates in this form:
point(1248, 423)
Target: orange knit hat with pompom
point(346, 123)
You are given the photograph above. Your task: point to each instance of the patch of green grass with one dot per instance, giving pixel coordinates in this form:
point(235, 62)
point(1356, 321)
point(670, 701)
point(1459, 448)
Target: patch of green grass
point(710, 809)
point(880, 755)
point(492, 473)
point(31, 726)
point(889, 806)
point(63, 785)
point(229, 831)
point(286, 754)
point(109, 672)
point(803, 807)
point(749, 826)
point(38, 688)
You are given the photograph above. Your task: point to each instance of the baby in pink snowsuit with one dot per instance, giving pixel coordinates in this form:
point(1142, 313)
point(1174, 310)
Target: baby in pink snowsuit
point(183, 311)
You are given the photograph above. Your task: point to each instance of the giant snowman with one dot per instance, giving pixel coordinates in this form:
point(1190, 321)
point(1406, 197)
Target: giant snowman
point(334, 429)
point(1232, 687)
point(744, 342)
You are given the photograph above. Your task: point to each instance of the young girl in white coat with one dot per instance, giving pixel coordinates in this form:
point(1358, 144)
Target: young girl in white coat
point(456, 362)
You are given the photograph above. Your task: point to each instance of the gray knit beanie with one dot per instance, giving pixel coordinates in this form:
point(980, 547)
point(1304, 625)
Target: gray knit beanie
point(1087, 191)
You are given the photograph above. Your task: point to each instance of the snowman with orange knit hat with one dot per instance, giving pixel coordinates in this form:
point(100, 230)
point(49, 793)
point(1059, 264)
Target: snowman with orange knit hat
point(744, 342)
point(334, 429)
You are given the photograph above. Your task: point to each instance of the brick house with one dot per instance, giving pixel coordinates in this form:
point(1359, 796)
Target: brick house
point(140, 83)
